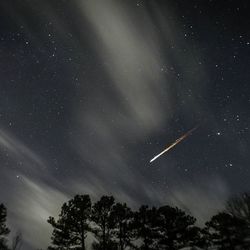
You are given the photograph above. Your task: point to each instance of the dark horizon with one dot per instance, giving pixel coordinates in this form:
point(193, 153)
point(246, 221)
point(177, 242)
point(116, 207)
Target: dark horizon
point(108, 224)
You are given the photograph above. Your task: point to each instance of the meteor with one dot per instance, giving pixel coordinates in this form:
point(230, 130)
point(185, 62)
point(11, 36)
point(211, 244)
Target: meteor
point(174, 143)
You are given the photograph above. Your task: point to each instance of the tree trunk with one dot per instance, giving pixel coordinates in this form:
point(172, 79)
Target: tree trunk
point(83, 240)
point(104, 238)
point(82, 236)
point(120, 236)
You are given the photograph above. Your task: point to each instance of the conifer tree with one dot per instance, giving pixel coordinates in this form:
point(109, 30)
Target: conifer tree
point(103, 216)
point(70, 230)
point(4, 231)
point(123, 219)
point(227, 232)
point(175, 228)
point(145, 228)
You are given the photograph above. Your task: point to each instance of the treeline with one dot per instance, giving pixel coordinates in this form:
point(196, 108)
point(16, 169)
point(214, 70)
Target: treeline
point(111, 225)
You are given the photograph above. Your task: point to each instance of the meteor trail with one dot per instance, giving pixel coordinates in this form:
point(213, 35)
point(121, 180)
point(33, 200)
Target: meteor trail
point(174, 143)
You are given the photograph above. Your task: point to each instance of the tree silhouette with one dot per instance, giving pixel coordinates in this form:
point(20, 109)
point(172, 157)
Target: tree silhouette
point(144, 226)
point(227, 231)
point(103, 216)
point(176, 228)
point(116, 227)
point(239, 206)
point(123, 217)
point(4, 231)
point(70, 230)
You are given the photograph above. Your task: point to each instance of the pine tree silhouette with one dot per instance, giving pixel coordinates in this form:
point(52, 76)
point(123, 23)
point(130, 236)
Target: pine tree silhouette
point(144, 227)
point(175, 228)
point(4, 231)
point(70, 230)
point(103, 216)
point(123, 218)
point(227, 232)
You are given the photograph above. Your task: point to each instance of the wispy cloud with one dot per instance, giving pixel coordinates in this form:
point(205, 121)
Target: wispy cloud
point(30, 199)
point(29, 208)
point(112, 126)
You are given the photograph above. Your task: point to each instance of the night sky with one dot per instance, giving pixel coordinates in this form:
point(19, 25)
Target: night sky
point(91, 90)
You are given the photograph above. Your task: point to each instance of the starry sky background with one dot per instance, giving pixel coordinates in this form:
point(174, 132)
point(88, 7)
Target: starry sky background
point(91, 90)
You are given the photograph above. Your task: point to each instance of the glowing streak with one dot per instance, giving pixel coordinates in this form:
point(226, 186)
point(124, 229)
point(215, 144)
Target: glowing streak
point(175, 143)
